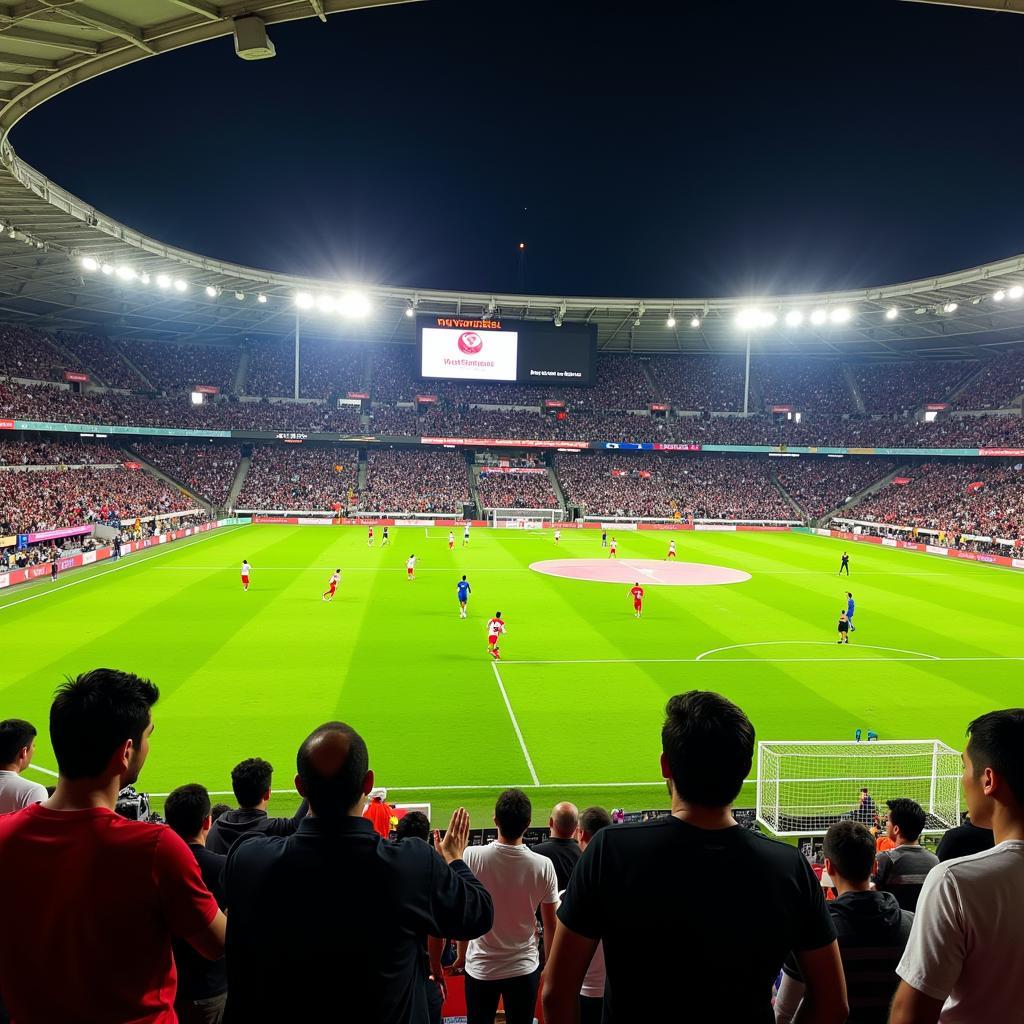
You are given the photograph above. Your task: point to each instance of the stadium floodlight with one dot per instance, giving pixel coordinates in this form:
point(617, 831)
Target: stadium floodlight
point(695, 322)
point(240, 296)
point(180, 285)
point(794, 318)
point(304, 300)
point(211, 291)
point(354, 304)
point(999, 295)
point(125, 273)
point(88, 263)
point(325, 304)
point(766, 319)
point(163, 281)
point(818, 317)
point(891, 313)
point(950, 307)
point(261, 297)
point(107, 269)
point(1016, 291)
point(748, 318)
point(840, 315)
point(670, 322)
point(409, 311)
point(144, 278)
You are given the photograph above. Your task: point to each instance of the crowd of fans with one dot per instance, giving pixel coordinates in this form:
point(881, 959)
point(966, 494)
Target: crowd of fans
point(516, 490)
point(297, 477)
point(206, 470)
point(888, 931)
point(667, 487)
point(998, 386)
point(325, 368)
point(700, 382)
point(170, 366)
point(28, 354)
point(820, 485)
point(392, 421)
point(410, 480)
point(892, 387)
point(58, 453)
point(955, 497)
point(101, 357)
point(808, 384)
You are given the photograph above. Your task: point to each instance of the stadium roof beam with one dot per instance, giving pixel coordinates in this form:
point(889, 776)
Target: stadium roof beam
point(97, 19)
point(318, 9)
point(207, 10)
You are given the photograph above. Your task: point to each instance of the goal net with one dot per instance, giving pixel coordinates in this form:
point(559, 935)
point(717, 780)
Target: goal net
point(524, 519)
point(803, 787)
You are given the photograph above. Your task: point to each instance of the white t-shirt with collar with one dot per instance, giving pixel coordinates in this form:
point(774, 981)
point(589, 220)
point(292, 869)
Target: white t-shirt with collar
point(967, 943)
point(17, 792)
point(518, 880)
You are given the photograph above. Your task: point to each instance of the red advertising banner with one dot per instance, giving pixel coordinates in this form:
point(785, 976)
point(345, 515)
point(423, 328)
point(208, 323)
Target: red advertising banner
point(901, 480)
point(502, 442)
point(659, 407)
point(1001, 451)
point(782, 408)
point(207, 389)
point(75, 377)
point(426, 399)
point(525, 471)
point(977, 485)
point(936, 406)
point(6, 424)
point(132, 465)
point(658, 447)
point(357, 394)
point(553, 403)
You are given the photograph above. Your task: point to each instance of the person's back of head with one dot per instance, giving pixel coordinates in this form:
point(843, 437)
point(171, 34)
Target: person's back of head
point(512, 814)
point(994, 768)
point(414, 825)
point(250, 781)
point(849, 850)
point(592, 820)
point(217, 810)
point(333, 771)
point(906, 820)
point(565, 818)
point(708, 748)
point(17, 738)
point(99, 725)
point(187, 810)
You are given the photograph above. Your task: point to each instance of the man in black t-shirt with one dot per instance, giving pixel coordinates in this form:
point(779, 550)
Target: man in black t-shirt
point(696, 913)
point(561, 848)
point(964, 840)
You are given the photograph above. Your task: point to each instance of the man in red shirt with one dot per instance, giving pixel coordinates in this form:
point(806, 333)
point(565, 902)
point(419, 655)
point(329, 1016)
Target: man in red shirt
point(638, 598)
point(99, 895)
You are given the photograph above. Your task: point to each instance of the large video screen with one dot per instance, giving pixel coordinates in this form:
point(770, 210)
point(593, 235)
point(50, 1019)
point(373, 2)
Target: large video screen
point(521, 351)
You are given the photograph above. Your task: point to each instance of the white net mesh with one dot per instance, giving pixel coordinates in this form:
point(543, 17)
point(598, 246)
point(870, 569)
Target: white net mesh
point(803, 787)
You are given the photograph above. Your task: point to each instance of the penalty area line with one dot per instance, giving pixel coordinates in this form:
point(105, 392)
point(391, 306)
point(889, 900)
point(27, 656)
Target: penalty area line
point(515, 724)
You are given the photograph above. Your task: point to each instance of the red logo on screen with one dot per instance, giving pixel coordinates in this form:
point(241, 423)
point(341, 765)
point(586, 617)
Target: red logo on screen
point(470, 343)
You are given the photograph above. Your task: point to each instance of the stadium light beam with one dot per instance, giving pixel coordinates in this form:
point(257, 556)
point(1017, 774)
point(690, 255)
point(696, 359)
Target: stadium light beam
point(950, 307)
point(818, 317)
point(840, 315)
point(261, 298)
point(211, 291)
point(794, 318)
point(163, 281)
point(1016, 291)
point(670, 322)
point(891, 313)
point(354, 304)
point(695, 322)
point(107, 269)
point(304, 300)
point(88, 263)
point(126, 273)
point(999, 295)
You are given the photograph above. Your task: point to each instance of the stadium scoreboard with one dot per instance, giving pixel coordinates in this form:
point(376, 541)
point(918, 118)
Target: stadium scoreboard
point(519, 351)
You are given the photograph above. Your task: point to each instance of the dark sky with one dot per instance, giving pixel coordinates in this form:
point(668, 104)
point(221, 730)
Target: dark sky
point(732, 147)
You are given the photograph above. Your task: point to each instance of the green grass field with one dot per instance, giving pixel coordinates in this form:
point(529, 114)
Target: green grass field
point(938, 642)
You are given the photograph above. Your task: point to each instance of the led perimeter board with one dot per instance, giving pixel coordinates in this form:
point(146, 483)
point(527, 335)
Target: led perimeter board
point(523, 351)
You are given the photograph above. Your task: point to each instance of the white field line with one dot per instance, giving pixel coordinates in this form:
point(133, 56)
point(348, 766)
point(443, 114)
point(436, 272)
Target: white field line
point(125, 562)
point(515, 725)
point(809, 643)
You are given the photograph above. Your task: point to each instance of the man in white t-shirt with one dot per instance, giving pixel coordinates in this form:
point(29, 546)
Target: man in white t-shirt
point(505, 963)
point(17, 745)
point(964, 962)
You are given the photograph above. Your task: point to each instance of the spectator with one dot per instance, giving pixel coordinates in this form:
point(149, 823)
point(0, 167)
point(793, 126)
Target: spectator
point(505, 964)
point(865, 811)
point(339, 913)
point(692, 907)
point(217, 810)
point(872, 930)
point(101, 895)
point(592, 820)
point(963, 840)
point(250, 782)
point(413, 825)
point(17, 746)
point(903, 868)
point(202, 983)
point(965, 958)
point(561, 846)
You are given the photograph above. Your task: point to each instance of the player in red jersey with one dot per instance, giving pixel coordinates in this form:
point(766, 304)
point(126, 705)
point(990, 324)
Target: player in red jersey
point(638, 598)
point(671, 550)
point(451, 541)
point(613, 549)
point(245, 574)
point(369, 537)
point(495, 628)
point(410, 568)
point(332, 585)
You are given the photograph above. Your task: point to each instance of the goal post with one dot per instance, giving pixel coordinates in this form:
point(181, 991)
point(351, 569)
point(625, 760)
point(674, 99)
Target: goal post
point(524, 518)
point(804, 786)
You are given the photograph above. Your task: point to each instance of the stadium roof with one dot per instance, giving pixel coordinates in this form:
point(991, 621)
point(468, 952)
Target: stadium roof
point(47, 46)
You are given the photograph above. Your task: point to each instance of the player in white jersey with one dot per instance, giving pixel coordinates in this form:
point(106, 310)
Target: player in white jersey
point(245, 574)
point(495, 628)
point(465, 534)
point(613, 550)
point(558, 535)
point(332, 585)
point(410, 568)
point(671, 550)
point(451, 541)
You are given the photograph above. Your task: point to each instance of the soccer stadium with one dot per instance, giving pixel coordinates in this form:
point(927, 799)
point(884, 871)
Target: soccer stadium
point(494, 533)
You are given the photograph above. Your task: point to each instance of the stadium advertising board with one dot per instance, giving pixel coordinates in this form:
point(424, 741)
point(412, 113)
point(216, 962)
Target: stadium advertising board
point(6, 424)
point(645, 446)
point(502, 442)
point(207, 389)
point(75, 377)
point(522, 351)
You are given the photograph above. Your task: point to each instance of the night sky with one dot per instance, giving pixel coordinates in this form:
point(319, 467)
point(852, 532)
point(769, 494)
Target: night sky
point(734, 147)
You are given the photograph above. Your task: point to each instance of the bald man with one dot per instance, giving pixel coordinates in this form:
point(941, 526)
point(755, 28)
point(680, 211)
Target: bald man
point(337, 912)
point(561, 846)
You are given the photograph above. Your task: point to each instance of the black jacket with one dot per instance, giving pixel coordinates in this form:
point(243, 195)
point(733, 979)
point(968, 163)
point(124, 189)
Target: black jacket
point(329, 924)
point(231, 825)
point(199, 978)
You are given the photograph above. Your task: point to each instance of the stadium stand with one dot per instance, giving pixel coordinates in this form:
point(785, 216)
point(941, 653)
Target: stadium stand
point(407, 480)
point(390, 420)
point(821, 485)
point(516, 490)
point(103, 358)
point(28, 354)
point(299, 478)
point(207, 471)
point(173, 367)
point(889, 387)
point(998, 385)
point(58, 453)
point(809, 385)
point(325, 368)
point(699, 382)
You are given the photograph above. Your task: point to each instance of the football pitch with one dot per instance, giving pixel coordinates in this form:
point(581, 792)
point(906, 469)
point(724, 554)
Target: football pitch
point(574, 709)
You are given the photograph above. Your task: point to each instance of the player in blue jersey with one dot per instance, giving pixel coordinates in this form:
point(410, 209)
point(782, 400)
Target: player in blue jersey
point(464, 592)
point(850, 607)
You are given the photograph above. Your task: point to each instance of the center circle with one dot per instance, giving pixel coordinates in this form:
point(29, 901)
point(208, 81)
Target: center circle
point(646, 571)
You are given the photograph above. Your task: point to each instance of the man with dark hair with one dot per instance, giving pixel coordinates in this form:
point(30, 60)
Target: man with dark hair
point(337, 912)
point(505, 963)
point(865, 811)
point(965, 958)
point(101, 895)
point(218, 810)
point(250, 782)
point(733, 903)
point(963, 840)
point(202, 984)
point(903, 868)
point(872, 930)
point(17, 745)
point(592, 820)
point(561, 848)
point(413, 825)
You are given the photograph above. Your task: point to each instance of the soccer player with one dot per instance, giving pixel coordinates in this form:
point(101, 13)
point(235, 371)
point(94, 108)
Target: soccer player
point(245, 574)
point(385, 540)
point(369, 537)
point(844, 629)
point(604, 538)
point(850, 607)
point(495, 628)
point(638, 598)
point(332, 585)
point(845, 564)
point(671, 550)
point(410, 568)
point(613, 549)
point(464, 591)
point(558, 535)
point(451, 541)
point(53, 571)
point(465, 534)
